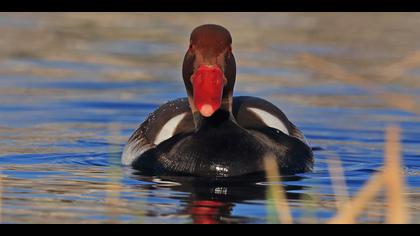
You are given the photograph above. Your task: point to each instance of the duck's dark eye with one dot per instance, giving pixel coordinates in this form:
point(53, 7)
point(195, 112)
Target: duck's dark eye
point(229, 52)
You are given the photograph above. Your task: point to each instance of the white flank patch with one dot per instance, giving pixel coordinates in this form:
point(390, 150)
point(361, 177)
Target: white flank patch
point(270, 120)
point(130, 153)
point(169, 128)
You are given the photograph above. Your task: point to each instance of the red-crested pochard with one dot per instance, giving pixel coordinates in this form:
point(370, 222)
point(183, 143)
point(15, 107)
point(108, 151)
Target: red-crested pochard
point(211, 133)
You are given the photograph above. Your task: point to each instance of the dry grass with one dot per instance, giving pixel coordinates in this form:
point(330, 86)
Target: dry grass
point(276, 191)
point(397, 69)
point(390, 178)
point(349, 213)
point(339, 183)
point(336, 72)
point(394, 179)
point(114, 185)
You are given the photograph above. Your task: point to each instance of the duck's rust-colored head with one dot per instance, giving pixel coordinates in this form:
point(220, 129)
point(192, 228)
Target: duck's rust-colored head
point(209, 70)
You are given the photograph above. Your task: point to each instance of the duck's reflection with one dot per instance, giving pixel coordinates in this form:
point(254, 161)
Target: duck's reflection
point(212, 201)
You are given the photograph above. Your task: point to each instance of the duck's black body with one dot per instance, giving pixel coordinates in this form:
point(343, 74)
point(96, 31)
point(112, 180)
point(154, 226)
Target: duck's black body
point(222, 147)
point(211, 133)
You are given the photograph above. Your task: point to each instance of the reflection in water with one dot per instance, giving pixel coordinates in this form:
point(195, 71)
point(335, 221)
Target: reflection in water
point(212, 201)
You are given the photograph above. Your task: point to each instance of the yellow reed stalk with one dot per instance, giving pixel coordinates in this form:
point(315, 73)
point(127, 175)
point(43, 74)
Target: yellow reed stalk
point(394, 181)
point(277, 191)
point(397, 69)
point(113, 188)
point(390, 177)
point(353, 209)
point(338, 182)
point(332, 70)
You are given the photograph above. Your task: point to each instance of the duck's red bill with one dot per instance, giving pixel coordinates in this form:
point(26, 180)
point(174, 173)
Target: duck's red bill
point(208, 83)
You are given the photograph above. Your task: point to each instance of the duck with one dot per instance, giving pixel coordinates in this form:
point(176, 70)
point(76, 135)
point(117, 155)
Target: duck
point(211, 133)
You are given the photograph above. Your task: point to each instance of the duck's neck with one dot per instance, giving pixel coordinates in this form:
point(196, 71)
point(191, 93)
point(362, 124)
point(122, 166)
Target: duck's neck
point(217, 120)
point(222, 116)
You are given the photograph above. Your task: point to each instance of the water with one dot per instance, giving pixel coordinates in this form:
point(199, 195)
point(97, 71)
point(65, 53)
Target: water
point(73, 87)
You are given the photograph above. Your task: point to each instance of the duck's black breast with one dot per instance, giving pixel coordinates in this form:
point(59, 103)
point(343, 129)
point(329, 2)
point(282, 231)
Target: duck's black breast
point(226, 151)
